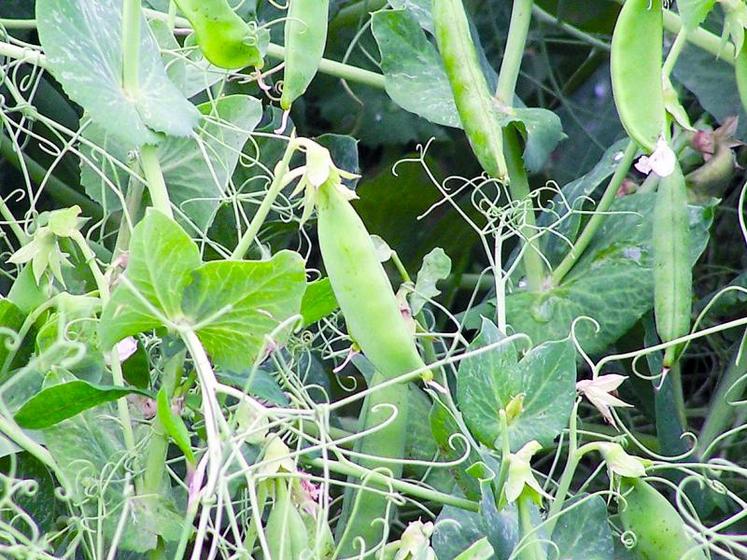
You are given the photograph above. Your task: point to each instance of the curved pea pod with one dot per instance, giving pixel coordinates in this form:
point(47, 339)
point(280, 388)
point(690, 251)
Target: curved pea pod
point(636, 60)
point(305, 39)
point(658, 528)
point(226, 40)
point(473, 98)
point(375, 323)
point(672, 267)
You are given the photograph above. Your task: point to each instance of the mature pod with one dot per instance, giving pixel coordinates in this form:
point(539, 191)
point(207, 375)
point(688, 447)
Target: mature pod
point(672, 268)
point(305, 39)
point(658, 528)
point(375, 323)
point(226, 40)
point(635, 66)
point(474, 100)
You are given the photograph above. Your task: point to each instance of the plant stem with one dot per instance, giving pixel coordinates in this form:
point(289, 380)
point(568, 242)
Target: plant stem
point(350, 469)
point(354, 13)
point(521, 16)
point(547, 17)
point(519, 186)
point(12, 223)
point(155, 457)
point(532, 548)
point(674, 52)
point(159, 194)
point(567, 477)
point(599, 216)
point(130, 45)
point(132, 207)
point(259, 218)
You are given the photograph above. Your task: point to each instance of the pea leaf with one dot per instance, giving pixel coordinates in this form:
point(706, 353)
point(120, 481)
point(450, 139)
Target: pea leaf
point(236, 304)
point(694, 12)
point(83, 43)
point(414, 75)
point(420, 9)
point(60, 402)
point(318, 301)
point(436, 266)
point(545, 378)
point(162, 258)
point(583, 531)
point(174, 425)
point(11, 319)
point(541, 129)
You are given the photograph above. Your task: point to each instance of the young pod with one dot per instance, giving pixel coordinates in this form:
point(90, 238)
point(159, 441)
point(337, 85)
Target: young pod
point(376, 324)
point(635, 66)
point(474, 100)
point(226, 40)
point(672, 269)
point(305, 39)
point(659, 530)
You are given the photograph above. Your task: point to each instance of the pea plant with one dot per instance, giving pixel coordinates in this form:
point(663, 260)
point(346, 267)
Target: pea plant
point(373, 279)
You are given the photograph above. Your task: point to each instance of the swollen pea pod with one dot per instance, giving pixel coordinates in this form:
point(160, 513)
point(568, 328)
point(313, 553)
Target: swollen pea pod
point(226, 40)
point(658, 528)
point(635, 66)
point(474, 101)
point(305, 39)
point(375, 323)
point(672, 269)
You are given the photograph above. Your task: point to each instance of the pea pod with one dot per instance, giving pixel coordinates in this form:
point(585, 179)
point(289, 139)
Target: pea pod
point(375, 322)
point(473, 98)
point(635, 66)
point(658, 528)
point(305, 39)
point(287, 537)
point(226, 40)
point(672, 269)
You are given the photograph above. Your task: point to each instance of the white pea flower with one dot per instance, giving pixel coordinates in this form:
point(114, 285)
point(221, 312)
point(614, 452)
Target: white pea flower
point(599, 390)
point(619, 462)
point(661, 162)
point(520, 473)
point(415, 543)
point(126, 348)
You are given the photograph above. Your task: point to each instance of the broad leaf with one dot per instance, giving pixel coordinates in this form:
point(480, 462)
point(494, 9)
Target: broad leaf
point(83, 43)
point(543, 382)
point(414, 75)
point(235, 304)
point(162, 258)
point(420, 9)
point(318, 301)
point(583, 531)
point(541, 129)
point(65, 400)
point(694, 12)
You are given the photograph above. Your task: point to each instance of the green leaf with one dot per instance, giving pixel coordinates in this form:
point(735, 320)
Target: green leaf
point(263, 385)
point(174, 425)
point(318, 301)
point(583, 531)
point(541, 129)
point(26, 293)
point(480, 550)
point(694, 12)
point(436, 266)
point(235, 304)
point(456, 530)
point(420, 9)
point(545, 379)
point(83, 43)
point(63, 401)
point(11, 319)
point(414, 75)
point(196, 170)
point(162, 258)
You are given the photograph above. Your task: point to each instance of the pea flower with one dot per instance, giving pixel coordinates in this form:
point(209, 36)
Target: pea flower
point(415, 542)
point(619, 462)
point(520, 474)
point(599, 390)
point(661, 162)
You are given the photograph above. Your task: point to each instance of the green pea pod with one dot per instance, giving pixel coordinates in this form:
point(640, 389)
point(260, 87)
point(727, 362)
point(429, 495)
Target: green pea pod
point(658, 528)
point(672, 269)
point(305, 39)
point(474, 100)
point(226, 40)
point(636, 60)
point(286, 533)
point(740, 68)
point(376, 324)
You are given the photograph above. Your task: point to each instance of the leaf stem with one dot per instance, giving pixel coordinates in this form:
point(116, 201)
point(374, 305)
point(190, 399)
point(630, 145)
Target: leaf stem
point(599, 216)
point(547, 17)
point(521, 16)
point(159, 194)
point(131, 14)
point(12, 223)
point(247, 239)
point(532, 548)
point(567, 477)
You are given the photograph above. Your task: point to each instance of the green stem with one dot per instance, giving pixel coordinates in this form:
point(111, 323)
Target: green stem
point(130, 45)
point(531, 548)
point(547, 17)
point(674, 52)
point(133, 200)
point(264, 208)
point(521, 16)
point(519, 186)
point(155, 457)
point(12, 222)
point(159, 194)
point(355, 13)
point(699, 37)
point(8, 23)
point(567, 477)
point(352, 470)
point(599, 216)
